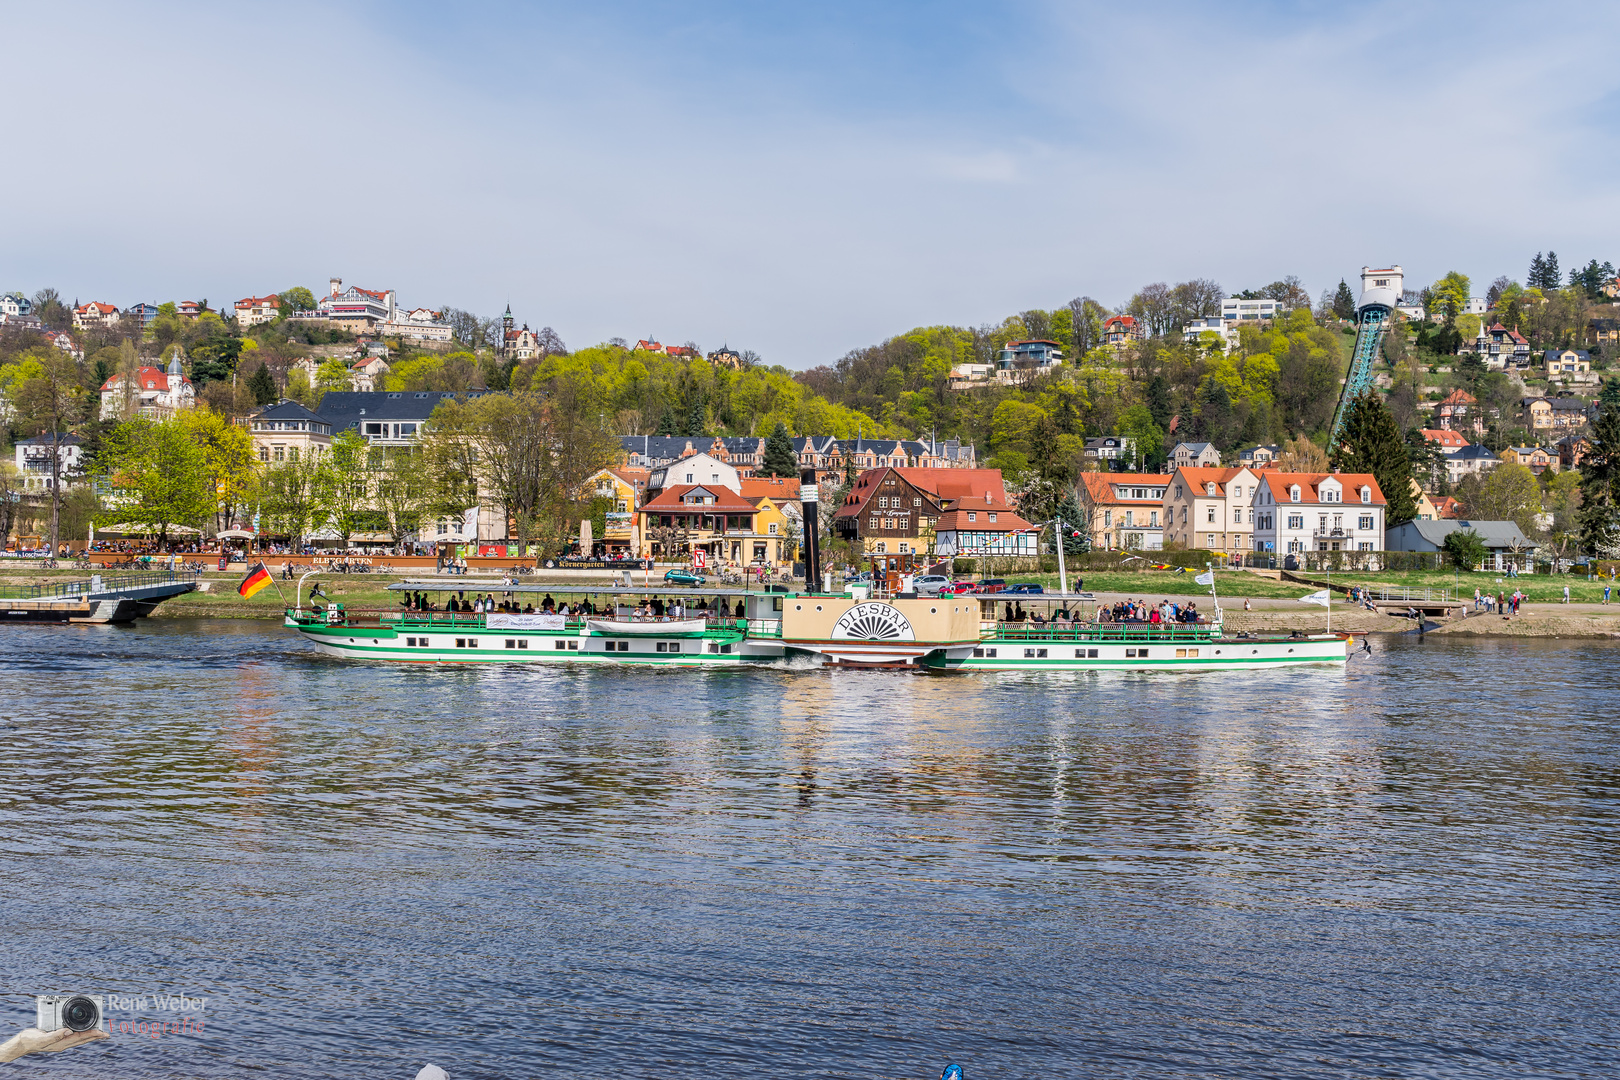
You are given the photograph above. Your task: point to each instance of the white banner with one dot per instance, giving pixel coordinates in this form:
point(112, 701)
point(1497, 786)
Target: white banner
point(537, 620)
point(1206, 578)
point(1318, 597)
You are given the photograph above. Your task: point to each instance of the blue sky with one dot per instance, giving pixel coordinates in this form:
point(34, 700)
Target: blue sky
point(799, 179)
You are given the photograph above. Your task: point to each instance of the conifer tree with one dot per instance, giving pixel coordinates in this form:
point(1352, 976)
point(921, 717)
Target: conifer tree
point(695, 417)
point(1538, 271)
point(1371, 443)
point(666, 422)
point(779, 457)
point(1344, 302)
point(262, 384)
point(1599, 515)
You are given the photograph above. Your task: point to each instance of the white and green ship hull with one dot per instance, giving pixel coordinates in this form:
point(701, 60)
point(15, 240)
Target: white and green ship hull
point(1105, 647)
point(468, 639)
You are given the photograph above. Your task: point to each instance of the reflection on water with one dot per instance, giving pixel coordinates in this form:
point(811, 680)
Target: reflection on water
point(1402, 868)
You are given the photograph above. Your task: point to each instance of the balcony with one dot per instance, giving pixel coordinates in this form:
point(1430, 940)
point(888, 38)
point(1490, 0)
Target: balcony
point(1330, 534)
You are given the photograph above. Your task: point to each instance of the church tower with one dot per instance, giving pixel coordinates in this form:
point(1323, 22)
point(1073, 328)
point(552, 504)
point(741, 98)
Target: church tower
point(506, 331)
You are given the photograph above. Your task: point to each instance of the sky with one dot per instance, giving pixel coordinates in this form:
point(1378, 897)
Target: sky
point(796, 179)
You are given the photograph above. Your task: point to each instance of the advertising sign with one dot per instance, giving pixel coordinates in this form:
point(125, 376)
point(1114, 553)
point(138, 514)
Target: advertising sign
point(699, 559)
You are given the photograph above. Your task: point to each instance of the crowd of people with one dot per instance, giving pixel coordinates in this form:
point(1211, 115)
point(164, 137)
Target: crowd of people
point(1124, 611)
point(652, 609)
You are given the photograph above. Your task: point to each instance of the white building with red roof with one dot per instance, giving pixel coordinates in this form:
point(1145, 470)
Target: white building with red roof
point(254, 310)
point(157, 394)
point(95, 313)
point(418, 324)
point(1298, 512)
point(354, 309)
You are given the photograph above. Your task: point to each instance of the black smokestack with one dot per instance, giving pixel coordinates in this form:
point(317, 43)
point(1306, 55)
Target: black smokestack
point(808, 503)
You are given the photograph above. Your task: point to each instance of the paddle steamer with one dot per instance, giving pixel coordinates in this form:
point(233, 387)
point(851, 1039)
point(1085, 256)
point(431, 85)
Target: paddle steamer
point(853, 629)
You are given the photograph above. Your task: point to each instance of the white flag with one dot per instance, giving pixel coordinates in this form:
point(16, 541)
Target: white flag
point(1318, 597)
point(1206, 578)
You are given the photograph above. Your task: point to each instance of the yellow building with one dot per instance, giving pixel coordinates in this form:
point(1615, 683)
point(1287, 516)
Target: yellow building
point(621, 516)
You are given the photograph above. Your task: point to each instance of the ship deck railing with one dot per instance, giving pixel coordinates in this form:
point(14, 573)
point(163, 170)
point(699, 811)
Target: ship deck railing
point(462, 620)
point(1092, 631)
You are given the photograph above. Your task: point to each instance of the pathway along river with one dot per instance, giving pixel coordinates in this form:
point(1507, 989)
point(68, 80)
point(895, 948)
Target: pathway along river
point(1405, 868)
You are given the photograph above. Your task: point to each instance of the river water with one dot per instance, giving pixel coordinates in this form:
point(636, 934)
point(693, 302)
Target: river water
point(1404, 868)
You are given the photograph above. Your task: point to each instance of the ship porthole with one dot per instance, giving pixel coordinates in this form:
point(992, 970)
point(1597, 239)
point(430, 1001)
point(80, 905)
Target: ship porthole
point(933, 611)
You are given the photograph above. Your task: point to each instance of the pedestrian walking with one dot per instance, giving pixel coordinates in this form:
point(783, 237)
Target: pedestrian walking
point(1566, 594)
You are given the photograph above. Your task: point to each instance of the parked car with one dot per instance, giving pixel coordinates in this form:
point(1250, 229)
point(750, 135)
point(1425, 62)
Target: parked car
point(683, 577)
point(931, 583)
point(991, 585)
point(956, 588)
point(861, 578)
point(1024, 588)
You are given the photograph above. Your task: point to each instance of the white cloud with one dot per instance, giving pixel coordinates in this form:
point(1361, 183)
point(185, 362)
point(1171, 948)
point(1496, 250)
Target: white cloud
point(798, 198)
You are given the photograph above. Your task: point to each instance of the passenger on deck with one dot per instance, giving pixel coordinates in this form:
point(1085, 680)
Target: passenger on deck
point(528, 609)
point(739, 609)
point(548, 604)
point(1008, 617)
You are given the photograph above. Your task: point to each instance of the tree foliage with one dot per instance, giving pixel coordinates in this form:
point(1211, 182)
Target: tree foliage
point(1599, 516)
point(1370, 442)
point(780, 460)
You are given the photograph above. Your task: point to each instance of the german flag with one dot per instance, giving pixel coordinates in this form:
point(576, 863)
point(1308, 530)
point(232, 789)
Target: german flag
point(257, 579)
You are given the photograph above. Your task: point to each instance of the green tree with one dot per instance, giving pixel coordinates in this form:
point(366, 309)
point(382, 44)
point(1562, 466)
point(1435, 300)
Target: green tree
point(342, 485)
point(297, 298)
point(1466, 548)
point(158, 477)
point(780, 460)
point(1449, 295)
point(214, 360)
point(1147, 438)
point(1344, 302)
point(1509, 492)
point(1371, 443)
point(666, 422)
point(263, 385)
point(1599, 515)
point(696, 418)
point(290, 497)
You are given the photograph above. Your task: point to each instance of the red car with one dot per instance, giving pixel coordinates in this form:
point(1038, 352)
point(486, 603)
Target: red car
point(956, 588)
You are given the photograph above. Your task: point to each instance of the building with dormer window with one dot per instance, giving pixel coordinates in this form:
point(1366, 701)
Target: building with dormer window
point(93, 314)
point(1299, 512)
point(1210, 508)
point(1124, 511)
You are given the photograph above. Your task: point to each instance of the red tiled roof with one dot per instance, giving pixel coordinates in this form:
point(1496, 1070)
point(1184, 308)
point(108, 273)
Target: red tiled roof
point(156, 376)
point(726, 501)
point(1006, 520)
point(105, 309)
point(770, 487)
point(1199, 475)
point(1280, 484)
point(256, 301)
point(1100, 485)
point(1445, 437)
point(1460, 397)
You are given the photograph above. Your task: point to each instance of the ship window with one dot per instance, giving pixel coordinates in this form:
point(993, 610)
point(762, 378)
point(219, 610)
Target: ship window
point(663, 646)
point(574, 645)
point(559, 645)
point(411, 642)
point(461, 643)
point(523, 643)
point(472, 643)
point(713, 647)
point(1029, 654)
point(990, 652)
point(978, 653)
point(1192, 652)
point(511, 643)
point(1130, 652)
point(1181, 652)
point(1040, 654)
point(423, 642)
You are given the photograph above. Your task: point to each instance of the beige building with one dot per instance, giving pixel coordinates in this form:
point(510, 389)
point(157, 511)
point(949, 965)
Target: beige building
point(287, 430)
point(1211, 509)
point(255, 310)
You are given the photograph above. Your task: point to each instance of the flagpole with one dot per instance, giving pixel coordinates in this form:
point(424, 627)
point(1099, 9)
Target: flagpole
point(1211, 568)
point(1063, 574)
point(1330, 597)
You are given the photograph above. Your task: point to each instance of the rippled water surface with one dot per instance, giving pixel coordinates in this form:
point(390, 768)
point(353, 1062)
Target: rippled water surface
point(1405, 868)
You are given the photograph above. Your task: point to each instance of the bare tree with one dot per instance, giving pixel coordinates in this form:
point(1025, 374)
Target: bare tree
point(50, 403)
point(1155, 307)
point(1196, 299)
point(549, 343)
point(1086, 316)
point(1290, 291)
point(1494, 293)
